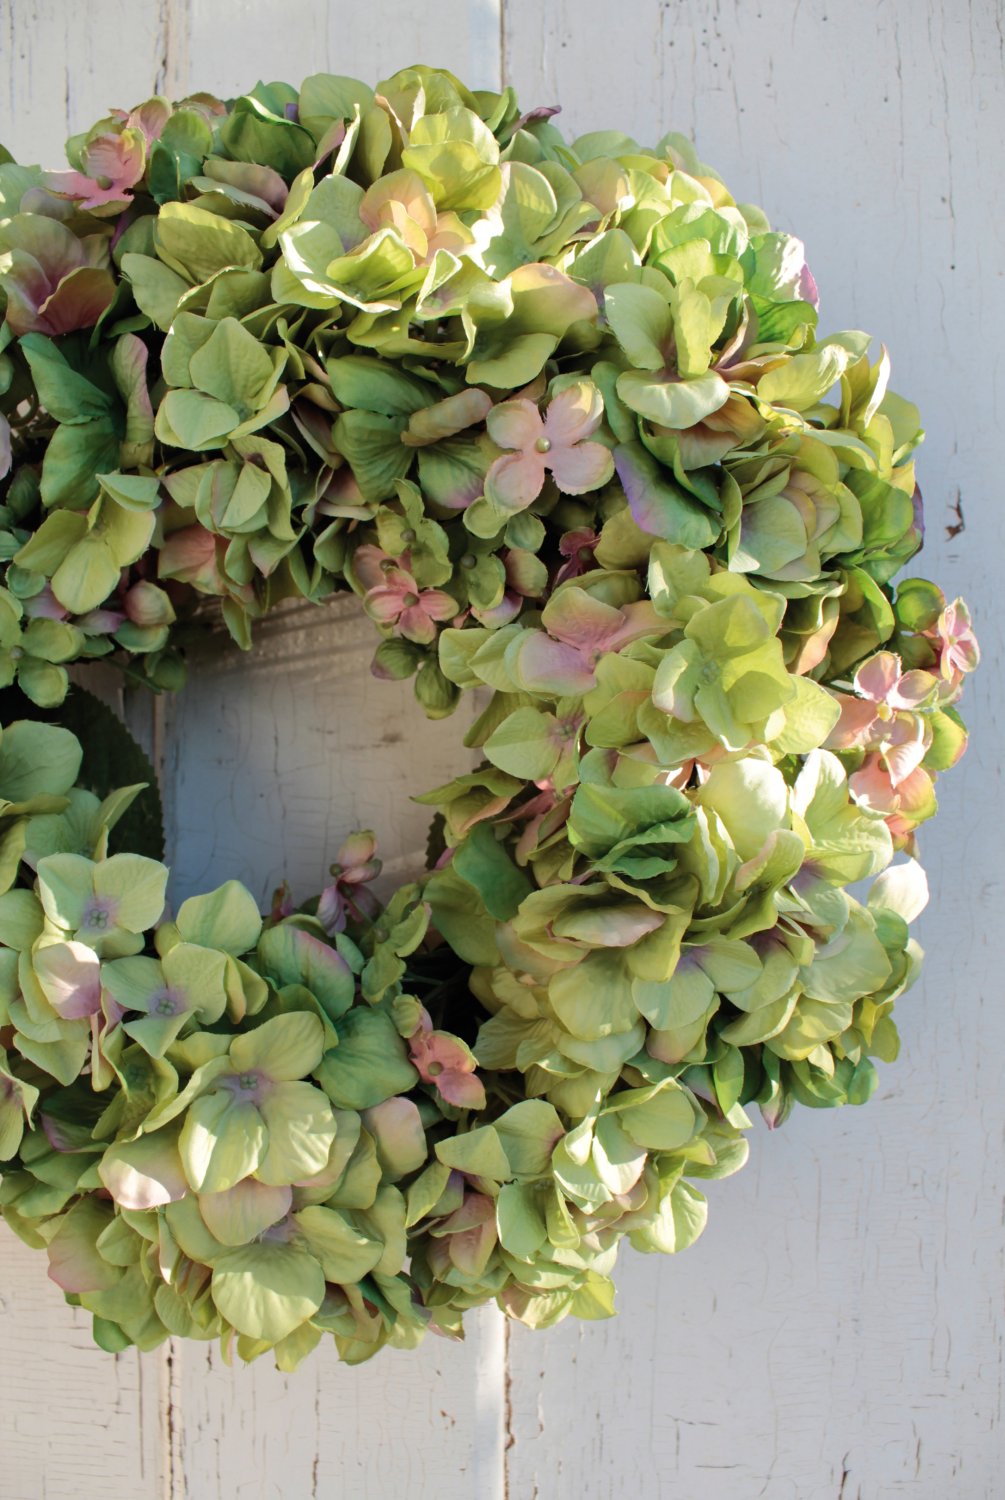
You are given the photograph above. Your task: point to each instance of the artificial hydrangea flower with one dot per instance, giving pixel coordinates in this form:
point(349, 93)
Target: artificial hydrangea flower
point(393, 598)
point(557, 443)
point(445, 1062)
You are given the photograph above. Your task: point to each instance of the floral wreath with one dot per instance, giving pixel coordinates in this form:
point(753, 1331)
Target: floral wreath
point(558, 413)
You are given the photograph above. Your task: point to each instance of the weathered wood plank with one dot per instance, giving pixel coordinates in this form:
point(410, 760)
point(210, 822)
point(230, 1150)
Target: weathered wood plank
point(838, 1330)
point(74, 1422)
point(226, 47)
point(63, 66)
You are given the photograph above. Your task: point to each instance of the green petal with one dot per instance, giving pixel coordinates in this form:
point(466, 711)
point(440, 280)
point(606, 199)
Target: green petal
point(301, 1132)
point(345, 1253)
point(226, 918)
point(222, 1140)
point(245, 1211)
point(286, 1048)
point(267, 1290)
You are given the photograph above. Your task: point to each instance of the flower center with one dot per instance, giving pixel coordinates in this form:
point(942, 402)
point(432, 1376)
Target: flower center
point(164, 1003)
point(543, 445)
point(99, 916)
point(410, 600)
point(248, 1082)
point(434, 1069)
point(468, 561)
point(711, 672)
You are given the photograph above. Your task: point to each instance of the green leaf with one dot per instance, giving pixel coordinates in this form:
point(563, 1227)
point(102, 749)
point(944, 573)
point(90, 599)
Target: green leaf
point(222, 1140)
point(519, 1221)
point(288, 955)
point(480, 1153)
point(658, 503)
point(640, 321)
point(345, 1253)
point(369, 1064)
point(267, 1290)
point(529, 1132)
point(803, 379)
point(226, 918)
point(63, 391)
point(37, 760)
point(197, 244)
point(486, 864)
point(286, 1048)
point(678, 404)
point(526, 744)
point(663, 1122)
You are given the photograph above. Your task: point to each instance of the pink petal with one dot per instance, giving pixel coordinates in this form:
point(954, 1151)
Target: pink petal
point(70, 975)
point(641, 618)
point(905, 756)
point(502, 613)
point(545, 665)
point(415, 625)
point(579, 619)
point(913, 688)
point(878, 676)
point(872, 786)
point(515, 424)
point(584, 467)
point(574, 414)
point(515, 480)
point(366, 564)
point(463, 1090)
point(438, 605)
point(77, 302)
point(854, 727)
point(385, 604)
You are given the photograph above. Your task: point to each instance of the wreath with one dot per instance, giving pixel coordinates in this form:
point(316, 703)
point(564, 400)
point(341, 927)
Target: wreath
point(558, 414)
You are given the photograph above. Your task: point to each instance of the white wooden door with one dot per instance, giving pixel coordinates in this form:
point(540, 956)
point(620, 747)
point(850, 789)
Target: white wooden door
point(838, 1330)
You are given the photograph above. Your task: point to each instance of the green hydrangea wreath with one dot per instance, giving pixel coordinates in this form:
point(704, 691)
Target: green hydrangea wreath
point(558, 413)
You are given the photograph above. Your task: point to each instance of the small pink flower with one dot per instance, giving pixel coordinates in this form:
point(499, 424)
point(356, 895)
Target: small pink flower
point(445, 1062)
point(959, 652)
point(578, 548)
point(347, 895)
point(905, 799)
point(113, 163)
point(394, 598)
point(883, 691)
point(578, 630)
point(556, 442)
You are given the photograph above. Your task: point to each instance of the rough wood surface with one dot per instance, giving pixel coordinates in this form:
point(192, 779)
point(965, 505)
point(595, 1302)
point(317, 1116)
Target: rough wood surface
point(837, 1334)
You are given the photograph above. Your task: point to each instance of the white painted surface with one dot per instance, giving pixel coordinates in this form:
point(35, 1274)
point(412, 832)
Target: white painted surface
point(837, 1333)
